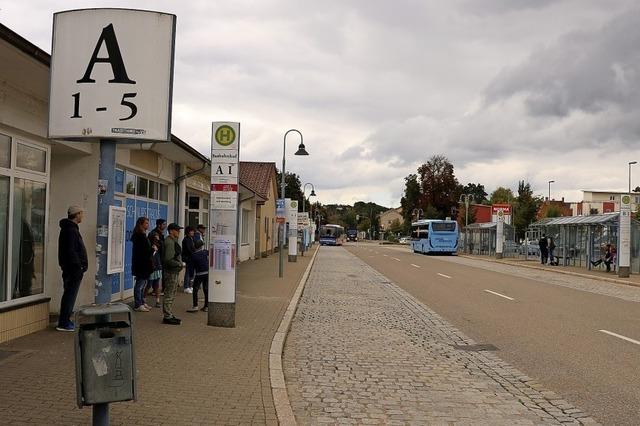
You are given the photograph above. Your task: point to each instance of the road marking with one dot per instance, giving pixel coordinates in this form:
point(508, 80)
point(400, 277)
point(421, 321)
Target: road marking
point(498, 294)
point(416, 266)
point(395, 258)
point(385, 255)
point(443, 275)
point(620, 336)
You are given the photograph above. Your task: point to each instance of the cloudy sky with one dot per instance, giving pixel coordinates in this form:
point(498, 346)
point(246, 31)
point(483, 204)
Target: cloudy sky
point(506, 89)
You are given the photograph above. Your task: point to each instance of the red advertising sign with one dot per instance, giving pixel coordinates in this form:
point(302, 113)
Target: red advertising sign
point(506, 208)
point(224, 187)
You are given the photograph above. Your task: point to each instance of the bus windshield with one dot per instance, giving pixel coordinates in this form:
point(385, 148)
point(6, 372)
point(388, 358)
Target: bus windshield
point(443, 226)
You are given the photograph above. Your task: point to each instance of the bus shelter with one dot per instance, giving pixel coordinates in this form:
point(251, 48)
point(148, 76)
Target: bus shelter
point(481, 239)
point(579, 240)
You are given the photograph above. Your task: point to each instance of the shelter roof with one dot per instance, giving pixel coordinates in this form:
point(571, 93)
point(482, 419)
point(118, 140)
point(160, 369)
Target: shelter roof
point(594, 219)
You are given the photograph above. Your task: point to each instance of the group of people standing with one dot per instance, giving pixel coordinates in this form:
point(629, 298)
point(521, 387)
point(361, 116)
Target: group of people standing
point(156, 262)
point(547, 246)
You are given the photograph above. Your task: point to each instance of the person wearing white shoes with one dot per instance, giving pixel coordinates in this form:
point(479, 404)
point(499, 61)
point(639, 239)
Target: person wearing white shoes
point(141, 263)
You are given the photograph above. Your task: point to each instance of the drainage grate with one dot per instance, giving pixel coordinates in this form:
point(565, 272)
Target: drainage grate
point(476, 348)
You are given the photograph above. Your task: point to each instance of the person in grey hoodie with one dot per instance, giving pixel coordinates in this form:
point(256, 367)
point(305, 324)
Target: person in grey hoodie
point(72, 258)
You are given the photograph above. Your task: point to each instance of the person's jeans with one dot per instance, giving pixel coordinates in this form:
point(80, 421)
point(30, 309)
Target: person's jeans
point(138, 292)
point(197, 282)
point(71, 282)
point(189, 273)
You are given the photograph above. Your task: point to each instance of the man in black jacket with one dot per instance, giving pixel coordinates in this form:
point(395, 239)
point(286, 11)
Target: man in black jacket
point(72, 258)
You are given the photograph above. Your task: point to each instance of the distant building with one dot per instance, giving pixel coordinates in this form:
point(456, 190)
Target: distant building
point(387, 218)
point(600, 202)
point(562, 208)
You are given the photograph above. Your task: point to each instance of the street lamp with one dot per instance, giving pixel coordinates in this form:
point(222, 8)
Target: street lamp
point(417, 213)
point(304, 202)
point(301, 151)
point(550, 182)
point(630, 164)
point(466, 199)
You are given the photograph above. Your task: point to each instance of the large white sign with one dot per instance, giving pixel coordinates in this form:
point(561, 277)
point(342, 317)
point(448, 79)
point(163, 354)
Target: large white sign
point(111, 75)
point(624, 246)
point(292, 219)
point(223, 220)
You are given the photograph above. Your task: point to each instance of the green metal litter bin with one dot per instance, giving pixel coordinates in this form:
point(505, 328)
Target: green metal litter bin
point(105, 361)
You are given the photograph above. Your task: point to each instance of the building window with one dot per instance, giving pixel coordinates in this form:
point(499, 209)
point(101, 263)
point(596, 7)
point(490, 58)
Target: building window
point(4, 235)
point(612, 197)
point(5, 151)
point(31, 158)
point(194, 202)
point(244, 235)
point(153, 190)
point(142, 189)
point(119, 186)
point(164, 192)
point(130, 182)
point(29, 206)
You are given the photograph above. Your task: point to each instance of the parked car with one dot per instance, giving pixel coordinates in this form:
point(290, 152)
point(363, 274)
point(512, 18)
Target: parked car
point(404, 240)
point(531, 249)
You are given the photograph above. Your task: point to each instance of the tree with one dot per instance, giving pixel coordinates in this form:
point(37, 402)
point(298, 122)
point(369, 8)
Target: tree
point(411, 199)
point(439, 186)
point(477, 192)
point(292, 187)
point(525, 210)
point(553, 211)
point(501, 195)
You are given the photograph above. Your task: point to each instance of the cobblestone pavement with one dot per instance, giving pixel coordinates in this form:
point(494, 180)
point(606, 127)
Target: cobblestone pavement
point(363, 351)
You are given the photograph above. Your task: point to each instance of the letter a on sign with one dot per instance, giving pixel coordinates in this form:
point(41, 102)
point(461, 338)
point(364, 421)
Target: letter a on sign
point(108, 37)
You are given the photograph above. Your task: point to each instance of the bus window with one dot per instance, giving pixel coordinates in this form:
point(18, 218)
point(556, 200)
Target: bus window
point(443, 226)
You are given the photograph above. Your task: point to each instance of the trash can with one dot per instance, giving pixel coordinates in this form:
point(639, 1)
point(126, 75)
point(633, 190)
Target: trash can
point(105, 361)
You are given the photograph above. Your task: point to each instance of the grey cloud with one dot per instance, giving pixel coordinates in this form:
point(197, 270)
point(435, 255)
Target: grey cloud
point(585, 71)
point(504, 6)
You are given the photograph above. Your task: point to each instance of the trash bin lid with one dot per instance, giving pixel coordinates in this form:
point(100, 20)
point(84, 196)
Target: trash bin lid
point(105, 309)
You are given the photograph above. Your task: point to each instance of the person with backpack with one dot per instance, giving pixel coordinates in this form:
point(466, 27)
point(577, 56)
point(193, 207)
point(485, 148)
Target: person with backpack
point(188, 249)
point(153, 285)
point(200, 260)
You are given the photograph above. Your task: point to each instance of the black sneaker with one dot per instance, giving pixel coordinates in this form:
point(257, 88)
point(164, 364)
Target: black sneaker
point(172, 321)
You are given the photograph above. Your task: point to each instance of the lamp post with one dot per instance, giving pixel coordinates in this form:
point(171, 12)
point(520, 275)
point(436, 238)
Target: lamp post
point(304, 202)
point(631, 163)
point(466, 199)
point(301, 151)
point(550, 182)
point(624, 232)
point(417, 213)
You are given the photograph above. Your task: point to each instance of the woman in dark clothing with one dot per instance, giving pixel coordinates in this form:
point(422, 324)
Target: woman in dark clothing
point(141, 262)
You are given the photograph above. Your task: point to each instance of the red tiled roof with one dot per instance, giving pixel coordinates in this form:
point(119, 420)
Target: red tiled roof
point(257, 176)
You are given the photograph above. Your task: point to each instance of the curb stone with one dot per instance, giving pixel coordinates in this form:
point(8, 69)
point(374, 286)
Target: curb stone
point(276, 372)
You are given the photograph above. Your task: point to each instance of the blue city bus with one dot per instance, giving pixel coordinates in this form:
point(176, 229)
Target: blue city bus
point(431, 236)
point(331, 235)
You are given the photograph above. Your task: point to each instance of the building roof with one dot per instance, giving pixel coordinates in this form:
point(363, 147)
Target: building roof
point(257, 176)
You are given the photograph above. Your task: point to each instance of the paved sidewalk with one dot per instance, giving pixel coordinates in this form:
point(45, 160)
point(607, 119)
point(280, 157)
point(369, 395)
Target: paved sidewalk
point(363, 351)
point(189, 374)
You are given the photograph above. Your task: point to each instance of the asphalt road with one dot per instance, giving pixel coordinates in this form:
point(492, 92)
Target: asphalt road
point(549, 332)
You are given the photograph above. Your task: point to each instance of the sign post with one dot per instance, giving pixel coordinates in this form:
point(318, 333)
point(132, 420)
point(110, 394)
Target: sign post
point(223, 223)
point(624, 243)
point(280, 220)
point(111, 81)
point(292, 218)
point(499, 234)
